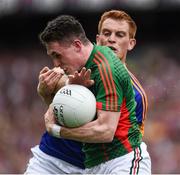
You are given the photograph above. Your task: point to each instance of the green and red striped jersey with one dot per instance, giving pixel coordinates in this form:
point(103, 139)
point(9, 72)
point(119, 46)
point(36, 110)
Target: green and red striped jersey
point(114, 92)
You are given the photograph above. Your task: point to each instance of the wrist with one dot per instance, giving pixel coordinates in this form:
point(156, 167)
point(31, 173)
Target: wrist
point(67, 82)
point(55, 130)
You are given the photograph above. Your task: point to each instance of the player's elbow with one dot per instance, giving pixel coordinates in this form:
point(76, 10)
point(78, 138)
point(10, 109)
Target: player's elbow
point(108, 139)
point(109, 134)
point(106, 134)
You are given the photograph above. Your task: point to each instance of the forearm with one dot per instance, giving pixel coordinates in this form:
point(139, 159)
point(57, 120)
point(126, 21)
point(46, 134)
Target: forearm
point(101, 130)
point(46, 97)
point(92, 132)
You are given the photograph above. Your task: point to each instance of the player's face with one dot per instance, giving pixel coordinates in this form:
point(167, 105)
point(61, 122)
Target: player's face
point(115, 34)
point(64, 56)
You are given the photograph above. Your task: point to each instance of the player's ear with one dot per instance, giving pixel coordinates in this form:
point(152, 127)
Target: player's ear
point(77, 45)
point(132, 43)
point(97, 39)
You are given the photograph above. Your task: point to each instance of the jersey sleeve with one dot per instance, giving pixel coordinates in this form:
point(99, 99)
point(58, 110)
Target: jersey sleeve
point(109, 94)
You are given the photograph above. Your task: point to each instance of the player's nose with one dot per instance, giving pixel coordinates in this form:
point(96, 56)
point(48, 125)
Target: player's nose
point(56, 63)
point(112, 38)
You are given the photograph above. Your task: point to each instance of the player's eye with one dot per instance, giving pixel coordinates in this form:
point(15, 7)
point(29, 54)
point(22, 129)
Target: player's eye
point(120, 34)
point(106, 33)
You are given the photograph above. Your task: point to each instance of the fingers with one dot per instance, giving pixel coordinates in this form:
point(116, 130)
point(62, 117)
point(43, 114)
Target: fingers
point(70, 76)
point(76, 74)
point(47, 82)
point(87, 74)
point(51, 81)
point(82, 78)
point(58, 70)
point(53, 75)
point(48, 74)
point(55, 79)
point(83, 72)
point(45, 69)
point(89, 83)
point(44, 74)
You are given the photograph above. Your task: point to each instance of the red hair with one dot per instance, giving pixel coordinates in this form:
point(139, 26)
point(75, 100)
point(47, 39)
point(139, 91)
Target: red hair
point(119, 15)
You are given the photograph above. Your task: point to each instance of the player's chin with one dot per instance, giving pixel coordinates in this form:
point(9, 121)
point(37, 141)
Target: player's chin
point(116, 52)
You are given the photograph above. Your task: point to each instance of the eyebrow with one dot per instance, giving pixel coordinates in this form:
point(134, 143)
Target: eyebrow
point(103, 30)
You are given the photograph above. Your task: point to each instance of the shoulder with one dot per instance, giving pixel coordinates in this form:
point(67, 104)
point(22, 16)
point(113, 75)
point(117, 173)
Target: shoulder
point(103, 55)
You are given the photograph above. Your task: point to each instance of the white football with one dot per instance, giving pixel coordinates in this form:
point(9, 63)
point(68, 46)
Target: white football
point(74, 105)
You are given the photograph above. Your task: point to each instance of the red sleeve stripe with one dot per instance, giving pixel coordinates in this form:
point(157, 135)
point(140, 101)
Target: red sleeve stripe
point(108, 82)
point(112, 81)
point(104, 83)
point(99, 105)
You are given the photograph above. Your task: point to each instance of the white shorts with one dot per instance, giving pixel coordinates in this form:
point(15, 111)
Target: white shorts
point(135, 162)
point(42, 163)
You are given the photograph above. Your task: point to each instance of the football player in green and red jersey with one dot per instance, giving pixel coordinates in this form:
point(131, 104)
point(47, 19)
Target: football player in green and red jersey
point(112, 142)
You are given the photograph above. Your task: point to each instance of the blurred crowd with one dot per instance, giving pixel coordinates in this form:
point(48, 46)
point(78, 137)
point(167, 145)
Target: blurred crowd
point(160, 76)
point(51, 6)
point(21, 109)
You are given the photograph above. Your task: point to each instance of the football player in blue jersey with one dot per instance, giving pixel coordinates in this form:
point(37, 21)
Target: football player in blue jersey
point(117, 30)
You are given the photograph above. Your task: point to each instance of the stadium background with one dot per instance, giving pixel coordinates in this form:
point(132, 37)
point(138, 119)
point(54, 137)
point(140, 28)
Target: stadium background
point(155, 61)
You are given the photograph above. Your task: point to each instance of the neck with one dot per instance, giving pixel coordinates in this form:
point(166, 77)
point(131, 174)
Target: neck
point(87, 49)
point(87, 52)
point(123, 59)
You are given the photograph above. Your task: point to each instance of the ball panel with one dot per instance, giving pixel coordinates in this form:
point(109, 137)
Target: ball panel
point(74, 105)
point(65, 115)
point(57, 109)
point(85, 113)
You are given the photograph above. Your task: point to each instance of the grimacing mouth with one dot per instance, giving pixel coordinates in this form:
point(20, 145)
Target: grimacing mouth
point(112, 48)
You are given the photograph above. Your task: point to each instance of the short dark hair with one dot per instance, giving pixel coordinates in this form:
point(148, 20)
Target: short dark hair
point(64, 28)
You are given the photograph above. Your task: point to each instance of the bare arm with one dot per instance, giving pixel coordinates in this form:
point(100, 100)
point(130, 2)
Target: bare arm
point(98, 131)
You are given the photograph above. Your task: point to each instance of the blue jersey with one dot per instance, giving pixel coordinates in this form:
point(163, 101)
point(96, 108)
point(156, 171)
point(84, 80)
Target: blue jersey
point(141, 102)
point(70, 151)
point(67, 150)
